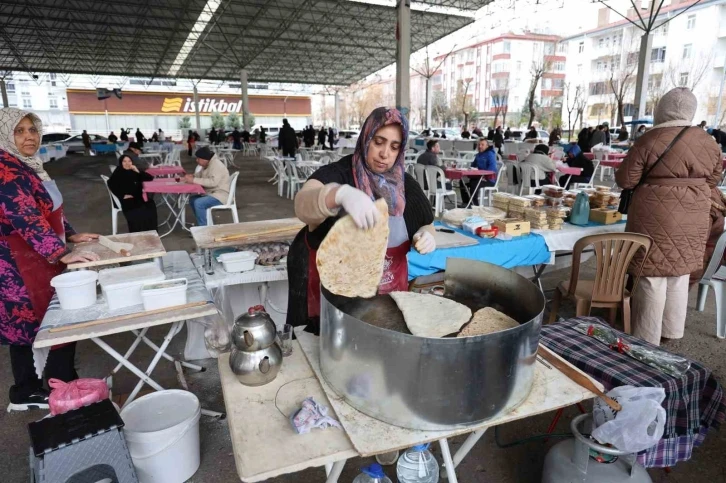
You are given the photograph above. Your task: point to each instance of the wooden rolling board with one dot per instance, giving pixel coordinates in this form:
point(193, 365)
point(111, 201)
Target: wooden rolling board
point(551, 390)
point(263, 440)
point(147, 244)
point(285, 229)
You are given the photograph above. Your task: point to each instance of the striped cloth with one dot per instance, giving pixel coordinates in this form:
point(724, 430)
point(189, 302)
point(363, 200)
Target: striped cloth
point(694, 403)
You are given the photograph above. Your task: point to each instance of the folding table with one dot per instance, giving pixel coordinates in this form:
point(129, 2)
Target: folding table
point(457, 173)
point(176, 205)
point(64, 326)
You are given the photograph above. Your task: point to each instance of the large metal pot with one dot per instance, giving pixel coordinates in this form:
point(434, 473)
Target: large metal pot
point(256, 368)
point(427, 383)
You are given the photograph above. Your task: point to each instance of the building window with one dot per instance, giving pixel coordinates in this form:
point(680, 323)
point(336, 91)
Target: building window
point(516, 100)
point(691, 24)
point(507, 47)
point(563, 48)
point(597, 88)
point(559, 66)
point(658, 55)
point(601, 43)
point(687, 51)
point(654, 81)
point(53, 102)
point(579, 68)
point(10, 86)
point(683, 79)
point(519, 65)
point(558, 83)
point(24, 90)
point(581, 47)
point(53, 76)
point(633, 58)
point(27, 104)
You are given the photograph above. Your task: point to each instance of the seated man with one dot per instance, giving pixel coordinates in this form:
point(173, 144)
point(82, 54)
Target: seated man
point(430, 157)
point(540, 158)
point(214, 177)
point(486, 159)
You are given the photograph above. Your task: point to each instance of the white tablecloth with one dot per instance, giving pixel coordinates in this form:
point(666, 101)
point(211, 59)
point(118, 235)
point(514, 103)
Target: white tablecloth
point(565, 239)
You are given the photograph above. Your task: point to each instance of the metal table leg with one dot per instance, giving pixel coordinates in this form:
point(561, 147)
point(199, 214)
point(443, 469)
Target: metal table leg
point(335, 471)
point(470, 442)
point(448, 463)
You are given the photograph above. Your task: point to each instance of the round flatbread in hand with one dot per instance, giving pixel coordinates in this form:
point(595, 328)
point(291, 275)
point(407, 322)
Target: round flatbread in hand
point(429, 315)
point(350, 259)
point(486, 321)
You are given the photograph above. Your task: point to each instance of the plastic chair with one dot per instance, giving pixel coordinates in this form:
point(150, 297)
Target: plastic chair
point(419, 174)
point(231, 203)
point(596, 164)
point(115, 206)
point(529, 173)
point(112, 168)
point(294, 179)
point(436, 179)
point(715, 276)
point(613, 254)
point(513, 172)
point(488, 191)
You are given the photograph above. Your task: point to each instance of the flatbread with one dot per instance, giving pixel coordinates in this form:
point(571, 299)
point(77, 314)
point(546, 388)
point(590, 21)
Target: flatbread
point(350, 260)
point(486, 321)
point(429, 315)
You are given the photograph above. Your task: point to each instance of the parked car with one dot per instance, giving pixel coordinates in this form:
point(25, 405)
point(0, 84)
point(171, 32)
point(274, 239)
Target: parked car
point(542, 135)
point(54, 137)
point(74, 144)
point(348, 134)
point(451, 133)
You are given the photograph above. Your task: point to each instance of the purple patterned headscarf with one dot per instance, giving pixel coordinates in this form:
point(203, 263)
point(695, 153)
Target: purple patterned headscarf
point(388, 185)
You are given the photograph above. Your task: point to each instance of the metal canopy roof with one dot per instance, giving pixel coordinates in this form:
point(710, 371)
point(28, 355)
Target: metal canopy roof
point(300, 41)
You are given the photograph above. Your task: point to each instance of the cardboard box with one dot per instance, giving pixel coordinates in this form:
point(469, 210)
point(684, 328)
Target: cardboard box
point(605, 216)
point(512, 226)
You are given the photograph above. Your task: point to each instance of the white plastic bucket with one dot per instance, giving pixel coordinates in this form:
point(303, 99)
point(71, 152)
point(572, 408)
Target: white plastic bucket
point(162, 433)
point(75, 289)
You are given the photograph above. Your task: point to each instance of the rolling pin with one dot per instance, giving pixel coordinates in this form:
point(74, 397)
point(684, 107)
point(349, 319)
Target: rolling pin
point(259, 233)
point(577, 377)
point(122, 248)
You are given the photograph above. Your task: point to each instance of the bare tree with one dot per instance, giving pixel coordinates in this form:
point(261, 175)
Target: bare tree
point(573, 98)
point(580, 107)
point(500, 101)
point(692, 71)
point(428, 69)
point(463, 100)
point(540, 65)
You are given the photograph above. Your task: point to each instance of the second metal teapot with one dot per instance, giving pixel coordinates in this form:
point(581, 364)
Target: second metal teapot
point(254, 330)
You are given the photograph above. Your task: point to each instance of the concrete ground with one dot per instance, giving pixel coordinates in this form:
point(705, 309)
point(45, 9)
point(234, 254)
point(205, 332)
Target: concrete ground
point(87, 208)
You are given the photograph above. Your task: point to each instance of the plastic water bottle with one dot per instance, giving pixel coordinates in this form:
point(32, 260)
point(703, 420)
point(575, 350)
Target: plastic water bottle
point(417, 465)
point(372, 474)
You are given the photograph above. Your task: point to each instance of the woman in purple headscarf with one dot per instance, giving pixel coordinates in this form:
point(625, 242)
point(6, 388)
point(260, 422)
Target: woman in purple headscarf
point(375, 170)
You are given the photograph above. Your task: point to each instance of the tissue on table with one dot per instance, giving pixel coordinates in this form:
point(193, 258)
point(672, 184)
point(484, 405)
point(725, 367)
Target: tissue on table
point(311, 415)
point(471, 223)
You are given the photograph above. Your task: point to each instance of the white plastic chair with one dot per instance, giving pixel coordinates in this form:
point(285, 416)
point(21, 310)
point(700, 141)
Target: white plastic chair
point(231, 203)
point(596, 165)
point(488, 191)
point(419, 174)
point(436, 180)
point(173, 158)
point(115, 206)
point(513, 171)
point(529, 173)
point(282, 177)
point(112, 168)
point(715, 276)
point(294, 178)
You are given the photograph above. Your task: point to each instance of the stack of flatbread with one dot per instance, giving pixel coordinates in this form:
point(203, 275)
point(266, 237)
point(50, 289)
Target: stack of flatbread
point(486, 321)
point(350, 260)
point(429, 315)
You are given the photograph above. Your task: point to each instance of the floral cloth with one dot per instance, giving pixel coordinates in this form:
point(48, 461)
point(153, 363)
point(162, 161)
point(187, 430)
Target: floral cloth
point(25, 211)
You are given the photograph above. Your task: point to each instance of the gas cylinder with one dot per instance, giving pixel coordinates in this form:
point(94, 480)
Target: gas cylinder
point(582, 460)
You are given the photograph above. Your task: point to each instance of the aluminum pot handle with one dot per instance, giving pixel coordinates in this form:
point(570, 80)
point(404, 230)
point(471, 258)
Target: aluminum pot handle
point(249, 338)
point(265, 365)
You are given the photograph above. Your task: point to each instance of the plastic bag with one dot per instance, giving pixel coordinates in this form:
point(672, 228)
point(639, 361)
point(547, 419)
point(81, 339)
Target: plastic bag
point(638, 426)
point(66, 396)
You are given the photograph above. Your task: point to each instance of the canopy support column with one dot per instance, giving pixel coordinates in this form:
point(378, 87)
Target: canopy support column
point(196, 109)
point(641, 84)
point(428, 103)
point(337, 111)
point(4, 93)
point(245, 100)
point(403, 56)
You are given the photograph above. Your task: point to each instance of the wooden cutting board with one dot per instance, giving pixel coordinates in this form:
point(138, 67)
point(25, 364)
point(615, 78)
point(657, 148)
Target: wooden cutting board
point(284, 229)
point(453, 240)
point(147, 244)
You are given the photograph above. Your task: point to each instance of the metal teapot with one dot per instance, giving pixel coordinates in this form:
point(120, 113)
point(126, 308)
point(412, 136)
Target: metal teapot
point(254, 330)
point(256, 368)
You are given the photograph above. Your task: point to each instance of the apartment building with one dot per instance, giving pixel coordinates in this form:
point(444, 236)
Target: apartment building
point(687, 51)
point(498, 72)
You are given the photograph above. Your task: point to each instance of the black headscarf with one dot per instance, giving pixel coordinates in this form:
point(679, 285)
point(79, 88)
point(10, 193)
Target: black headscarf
point(127, 181)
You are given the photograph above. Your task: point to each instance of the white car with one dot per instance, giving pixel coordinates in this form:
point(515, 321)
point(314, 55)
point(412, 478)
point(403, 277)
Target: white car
point(74, 144)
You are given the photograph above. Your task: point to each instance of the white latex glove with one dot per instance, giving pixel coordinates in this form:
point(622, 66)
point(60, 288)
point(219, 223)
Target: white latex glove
point(424, 242)
point(358, 205)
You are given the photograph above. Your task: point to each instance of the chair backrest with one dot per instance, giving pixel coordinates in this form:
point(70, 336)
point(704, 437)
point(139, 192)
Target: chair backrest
point(512, 168)
point(419, 174)
point(231, 200)
point(715, 263)
point(435, 178)
point(613, 254)
point(500, 173)
point(115, 202)
point(325, 159)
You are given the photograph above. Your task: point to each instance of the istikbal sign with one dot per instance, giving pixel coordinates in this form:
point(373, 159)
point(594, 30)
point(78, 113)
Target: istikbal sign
point(206, 105)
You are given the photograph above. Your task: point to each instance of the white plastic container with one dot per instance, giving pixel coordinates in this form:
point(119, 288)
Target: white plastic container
point(162, 433)
point(238, 261)
point(75, 290)
point(122, 286)
point(166, 293)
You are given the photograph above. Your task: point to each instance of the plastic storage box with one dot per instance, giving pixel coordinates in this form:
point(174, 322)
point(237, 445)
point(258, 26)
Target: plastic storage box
point(238, 261)
point(122, 286)
point(168, 293)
